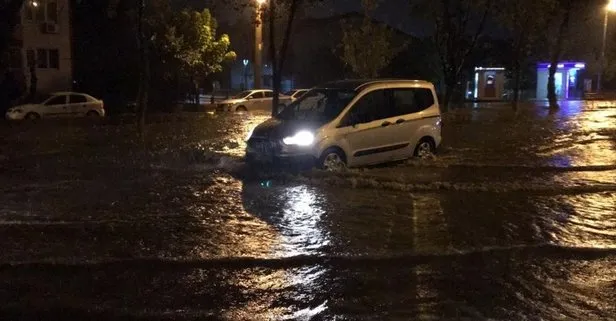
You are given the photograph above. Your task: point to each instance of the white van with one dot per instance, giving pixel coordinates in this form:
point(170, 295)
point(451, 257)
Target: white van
point(353, 123)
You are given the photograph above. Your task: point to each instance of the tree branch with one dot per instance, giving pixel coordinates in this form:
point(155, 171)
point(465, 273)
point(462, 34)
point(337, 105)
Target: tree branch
point(287, 34)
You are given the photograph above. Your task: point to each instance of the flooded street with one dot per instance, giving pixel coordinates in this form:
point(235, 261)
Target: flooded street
point(513, 219)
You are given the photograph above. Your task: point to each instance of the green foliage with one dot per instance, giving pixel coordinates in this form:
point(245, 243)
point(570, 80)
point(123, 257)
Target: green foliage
point(191, 42)
point(367, 48)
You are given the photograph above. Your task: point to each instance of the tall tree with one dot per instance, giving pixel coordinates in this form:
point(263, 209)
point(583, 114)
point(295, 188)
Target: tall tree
point(526, 21)
point(9, 19)
point(193, 47)
point(367, 48)
point(279, 54)
point(458, 25)
point(563, 11)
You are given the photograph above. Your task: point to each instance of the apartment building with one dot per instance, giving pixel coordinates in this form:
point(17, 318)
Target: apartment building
point(44, 38)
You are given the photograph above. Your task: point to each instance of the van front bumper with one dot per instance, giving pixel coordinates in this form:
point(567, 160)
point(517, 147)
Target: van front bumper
point(267, 150)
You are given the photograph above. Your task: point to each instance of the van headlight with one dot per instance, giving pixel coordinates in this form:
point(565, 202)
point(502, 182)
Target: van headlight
point(301, 138)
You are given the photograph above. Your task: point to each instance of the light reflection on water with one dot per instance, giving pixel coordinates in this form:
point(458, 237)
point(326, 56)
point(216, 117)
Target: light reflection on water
point(234, 141)
point(292, 215)
point(587, 220)
point(587, 135)
point(300, 223)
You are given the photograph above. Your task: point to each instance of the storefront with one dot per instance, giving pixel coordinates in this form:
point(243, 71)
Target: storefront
point(489, 84)
point(566, 80)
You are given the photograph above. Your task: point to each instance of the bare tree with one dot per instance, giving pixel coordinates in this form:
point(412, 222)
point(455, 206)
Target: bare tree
point(9, 19)
point(563, 10)
point(458, 25)
point(526, 21)
point(278, 56)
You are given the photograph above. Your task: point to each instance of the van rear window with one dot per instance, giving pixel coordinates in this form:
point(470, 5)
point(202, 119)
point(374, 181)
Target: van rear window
point(412, 100)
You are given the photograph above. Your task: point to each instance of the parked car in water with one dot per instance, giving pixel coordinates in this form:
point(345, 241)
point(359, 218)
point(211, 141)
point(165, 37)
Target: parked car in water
point(296, 94)
point(353, 123)
point(250, 100)
point(60, 104)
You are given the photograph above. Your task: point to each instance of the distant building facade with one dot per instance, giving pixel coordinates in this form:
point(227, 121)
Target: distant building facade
point(42, 50)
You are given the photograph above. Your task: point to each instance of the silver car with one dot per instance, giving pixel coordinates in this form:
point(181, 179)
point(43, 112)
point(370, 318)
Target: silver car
point(59, 105)
point(296, 94)
point(251, 100)
point(353, 123)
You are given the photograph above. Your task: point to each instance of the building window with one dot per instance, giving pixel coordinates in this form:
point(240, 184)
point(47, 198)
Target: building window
point(30, 12)
point(30, 57)
point(42, 11)
point(41, 58)
point(45, 58)
point(54, 59)
point(52, 12)
point(39, 11)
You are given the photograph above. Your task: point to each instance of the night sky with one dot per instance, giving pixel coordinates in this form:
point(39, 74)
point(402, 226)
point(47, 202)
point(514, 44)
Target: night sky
point(396, 13)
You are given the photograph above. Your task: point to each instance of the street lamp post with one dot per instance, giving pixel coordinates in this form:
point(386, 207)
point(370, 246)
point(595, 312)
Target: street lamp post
point(259, 46)
point(611, 7)
point(245, 62)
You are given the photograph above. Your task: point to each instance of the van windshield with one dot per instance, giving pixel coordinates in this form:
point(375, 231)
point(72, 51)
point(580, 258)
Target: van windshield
point(319, 104)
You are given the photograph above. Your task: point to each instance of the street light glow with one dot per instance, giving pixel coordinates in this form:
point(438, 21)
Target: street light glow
point(611, 6)
point(261, 2)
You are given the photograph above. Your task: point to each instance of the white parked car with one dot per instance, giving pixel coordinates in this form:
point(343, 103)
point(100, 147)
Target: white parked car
point(249, 100)
point(60, 104)
point(296, 94)
point(353, 123)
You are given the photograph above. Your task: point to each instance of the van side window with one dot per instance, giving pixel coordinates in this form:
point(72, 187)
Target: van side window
point(372, 106)
point(412, 100)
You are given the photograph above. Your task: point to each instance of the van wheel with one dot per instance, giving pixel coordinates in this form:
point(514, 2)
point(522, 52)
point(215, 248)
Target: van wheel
point(241, 108)
point(92, 114)
point(333, 160)
point(425, 148)
point(32, 116)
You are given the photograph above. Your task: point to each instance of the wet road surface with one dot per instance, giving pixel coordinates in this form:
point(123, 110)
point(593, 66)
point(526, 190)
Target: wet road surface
point(514, 219)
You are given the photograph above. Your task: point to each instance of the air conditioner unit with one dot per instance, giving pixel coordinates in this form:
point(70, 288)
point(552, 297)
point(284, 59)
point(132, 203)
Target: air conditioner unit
point(50, 27)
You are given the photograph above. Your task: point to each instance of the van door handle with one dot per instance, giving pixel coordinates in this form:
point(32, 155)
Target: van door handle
point(399, 121)
point(385, 124)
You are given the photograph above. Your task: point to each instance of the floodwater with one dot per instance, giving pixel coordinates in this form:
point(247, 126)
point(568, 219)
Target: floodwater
point(514, 219)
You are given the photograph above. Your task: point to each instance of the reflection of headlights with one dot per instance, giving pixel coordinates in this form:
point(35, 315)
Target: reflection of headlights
point(301, 138)
point(249, 134)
